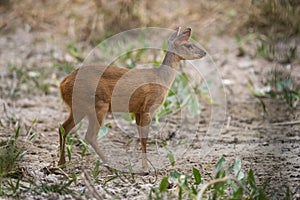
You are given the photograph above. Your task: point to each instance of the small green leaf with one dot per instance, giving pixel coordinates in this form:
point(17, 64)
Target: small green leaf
point(251, 179)
point(174, 175)
point(262, 194)
point(220, 174)
point(69, 140)
point(128, 117)
point(17, 133)
point(102, 132)
point(62, 130)
point(31, 137)
point(220, 187)
point(240, 175)
point(96, 170)
point(171, 157)
point(156, 63)
point(69, 152)
point(197, 176)
point(194, 106)
point(74, 177)
point(163, 184)
point(288, 193)
point(237, 165)
point(220, 164)
point(194, 190)
point(238, 193)
point(72, 50)
point(21, 156)
point(219, 168)
point(83, 152)
point(238, 38)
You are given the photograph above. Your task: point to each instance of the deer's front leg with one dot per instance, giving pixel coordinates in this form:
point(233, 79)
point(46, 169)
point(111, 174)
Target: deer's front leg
point(143, 121)
point(95, 123)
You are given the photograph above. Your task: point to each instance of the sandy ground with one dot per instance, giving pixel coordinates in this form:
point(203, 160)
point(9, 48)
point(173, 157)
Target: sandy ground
point(271, 150)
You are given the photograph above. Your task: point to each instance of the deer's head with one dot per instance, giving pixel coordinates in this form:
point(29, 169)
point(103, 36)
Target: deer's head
point(180, 45)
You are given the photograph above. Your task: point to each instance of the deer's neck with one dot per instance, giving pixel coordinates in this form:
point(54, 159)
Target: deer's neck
point(167, 70)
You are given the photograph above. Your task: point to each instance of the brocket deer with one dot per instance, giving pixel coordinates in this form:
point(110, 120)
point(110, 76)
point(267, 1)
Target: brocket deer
point(114, 89)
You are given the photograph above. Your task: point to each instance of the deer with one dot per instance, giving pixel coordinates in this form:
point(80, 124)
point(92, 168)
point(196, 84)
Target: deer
point(115, 89)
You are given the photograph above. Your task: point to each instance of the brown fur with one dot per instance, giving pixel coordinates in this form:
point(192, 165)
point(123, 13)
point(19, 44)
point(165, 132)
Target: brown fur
point(93, 90)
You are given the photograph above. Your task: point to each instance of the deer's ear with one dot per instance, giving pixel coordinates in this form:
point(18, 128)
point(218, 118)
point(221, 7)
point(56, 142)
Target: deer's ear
point(185, 35)
point(174, 34)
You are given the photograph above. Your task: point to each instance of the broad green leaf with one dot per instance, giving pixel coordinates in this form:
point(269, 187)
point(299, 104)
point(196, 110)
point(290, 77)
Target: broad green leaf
point(197, 176)
point(163, 184)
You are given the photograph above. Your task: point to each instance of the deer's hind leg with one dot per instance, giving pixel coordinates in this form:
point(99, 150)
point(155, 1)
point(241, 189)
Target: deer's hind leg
point(68, 125)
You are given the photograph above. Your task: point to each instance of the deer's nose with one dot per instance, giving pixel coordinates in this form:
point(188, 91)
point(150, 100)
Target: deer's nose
point(203, 53)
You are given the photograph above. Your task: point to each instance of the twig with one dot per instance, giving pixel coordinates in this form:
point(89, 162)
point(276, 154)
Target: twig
point(228, 122)
point(286, 123)
point(54, 170)
point(63, 172)
point(226, 178)
point(91, 187)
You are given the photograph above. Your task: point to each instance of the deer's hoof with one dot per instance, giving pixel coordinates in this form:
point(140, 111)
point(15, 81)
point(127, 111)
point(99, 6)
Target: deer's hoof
point(109, 168)
point(146, 173)
point(61, 163)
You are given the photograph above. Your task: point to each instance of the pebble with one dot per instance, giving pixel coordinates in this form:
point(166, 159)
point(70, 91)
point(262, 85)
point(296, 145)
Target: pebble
point(51, 178)
point(228, 82)
point(245, 64)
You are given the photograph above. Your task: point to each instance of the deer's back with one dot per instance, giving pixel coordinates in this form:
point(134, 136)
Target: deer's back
point(84, 82)
point(136, 90)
